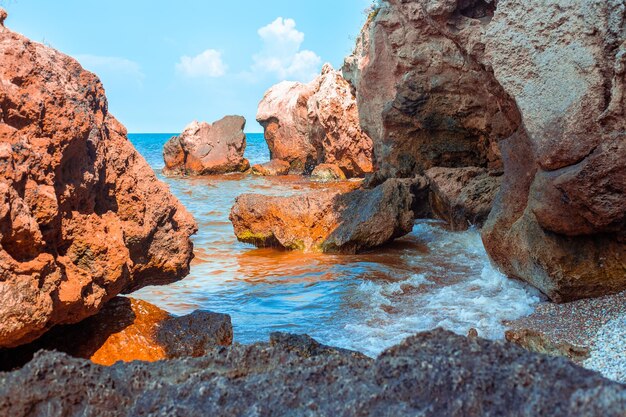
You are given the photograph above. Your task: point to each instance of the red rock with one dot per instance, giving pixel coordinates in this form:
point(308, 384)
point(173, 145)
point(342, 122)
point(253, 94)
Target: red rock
point(328, 172)
point(326, 220)
point(82, 215)
point(271, 168)
point(315, 123)
point(204, 149)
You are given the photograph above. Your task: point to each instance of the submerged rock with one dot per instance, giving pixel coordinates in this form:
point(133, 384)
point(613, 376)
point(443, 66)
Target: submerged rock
point(82, 215)
point(432, 374)
point(204, 148)
point(316, 123)
point(326, 220)
point(126, 330)
point(272, 168)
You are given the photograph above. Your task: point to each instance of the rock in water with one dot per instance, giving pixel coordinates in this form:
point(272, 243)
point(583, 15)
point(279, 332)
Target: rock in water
point(432, 374)
point(328, 172)
point(272, 168)
point(82, 215)
point(327, 220)
point(315, 123)
point(204, 149)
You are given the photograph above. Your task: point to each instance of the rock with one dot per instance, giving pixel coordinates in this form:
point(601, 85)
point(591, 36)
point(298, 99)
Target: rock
point(272, 168)
point(560, 223)
point(424, 95)
point(3, 16)
point(316, 123)
point(325, 220)
point(126, 330)
point(536, 341)
point(82, 216)
point(328, 172)
point(431, 375)
point(204, 149)
point(463, 197)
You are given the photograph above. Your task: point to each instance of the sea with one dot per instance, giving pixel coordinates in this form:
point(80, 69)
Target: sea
point(366, 302)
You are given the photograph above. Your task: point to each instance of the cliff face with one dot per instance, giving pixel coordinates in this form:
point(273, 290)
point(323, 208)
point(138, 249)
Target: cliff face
point(537, 88)
point(82, 215)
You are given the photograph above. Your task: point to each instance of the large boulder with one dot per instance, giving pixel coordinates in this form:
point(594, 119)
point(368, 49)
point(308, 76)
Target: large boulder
point(432, 374)
point(315, 123)
point(82, 215)
point(204, 148)
point(326, 220)
point(560, 222)
point(126, 329)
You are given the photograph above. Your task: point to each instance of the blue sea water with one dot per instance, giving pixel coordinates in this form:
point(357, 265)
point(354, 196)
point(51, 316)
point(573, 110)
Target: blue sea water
point(367, 302)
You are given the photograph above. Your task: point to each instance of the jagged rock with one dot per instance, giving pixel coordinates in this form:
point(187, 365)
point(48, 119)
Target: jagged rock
point(432, 374)
point(326, 220)
point(272, 168)
point(82, 215)
point(315, 123)
point(126, 329)
point(560, 223)
point(204, 149)
point(463, 197)
point(328, 172)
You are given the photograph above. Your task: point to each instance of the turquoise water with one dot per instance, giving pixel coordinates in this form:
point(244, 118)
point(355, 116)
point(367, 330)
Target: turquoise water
point(430, 278)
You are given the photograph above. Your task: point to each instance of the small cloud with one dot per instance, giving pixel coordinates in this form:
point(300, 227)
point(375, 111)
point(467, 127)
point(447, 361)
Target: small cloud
point(281, 54)
point(207, 64)
point(111, 65)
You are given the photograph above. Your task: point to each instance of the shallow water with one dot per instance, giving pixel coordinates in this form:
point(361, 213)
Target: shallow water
point(430, 278)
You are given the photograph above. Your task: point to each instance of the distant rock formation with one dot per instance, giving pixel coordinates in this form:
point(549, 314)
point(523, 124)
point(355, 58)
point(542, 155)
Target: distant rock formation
point(82, 216)
point(310, 124)
point(432, 374)
point(328, 220)
point(204, 149)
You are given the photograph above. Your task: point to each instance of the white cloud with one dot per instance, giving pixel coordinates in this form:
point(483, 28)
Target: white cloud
point(111, 64)
point(207, 64)
point(281, 54)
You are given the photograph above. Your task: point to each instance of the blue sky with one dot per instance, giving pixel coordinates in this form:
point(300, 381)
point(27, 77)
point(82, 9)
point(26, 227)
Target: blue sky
point(164, 64)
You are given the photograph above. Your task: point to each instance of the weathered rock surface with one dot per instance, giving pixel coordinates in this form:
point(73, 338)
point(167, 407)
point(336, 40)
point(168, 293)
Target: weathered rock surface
point(463, 197)
point(328, 172)
point(127, 329)
point(204, 148)
point(560, 222)
point(272, 168)
point(326, 220)
point(82, 215)
point(315, 123)
point(432, 375)
point(423, 94)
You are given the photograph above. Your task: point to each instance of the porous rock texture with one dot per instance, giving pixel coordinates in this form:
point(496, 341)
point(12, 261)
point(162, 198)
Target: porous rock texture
point(126, 329)
point(315, 123)
point(535, 86)
point(82, 215)
point(272, 168)
point(204, 149)
point(432, 374)
point(328, 220)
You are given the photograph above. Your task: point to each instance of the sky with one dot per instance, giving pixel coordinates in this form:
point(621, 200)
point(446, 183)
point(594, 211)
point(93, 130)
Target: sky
point(165, 64)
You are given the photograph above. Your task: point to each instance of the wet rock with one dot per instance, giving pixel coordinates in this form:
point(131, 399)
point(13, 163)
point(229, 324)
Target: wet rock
point(431, 374)
point(272, 168)
point(126, 329)
point(311, 124)
point(463, 197)
point(82, 216)
point(326, 220)
point(204, 148)
point(328, 172)
point(560, 223)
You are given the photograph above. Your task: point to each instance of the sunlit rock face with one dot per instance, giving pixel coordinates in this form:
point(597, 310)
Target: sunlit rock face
point(310, 124)
point(497, 85)
point(82, 215)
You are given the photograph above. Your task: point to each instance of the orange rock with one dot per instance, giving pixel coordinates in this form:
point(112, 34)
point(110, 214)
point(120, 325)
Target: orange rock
point(82, 215)
point(328, 172)
point(271, 168)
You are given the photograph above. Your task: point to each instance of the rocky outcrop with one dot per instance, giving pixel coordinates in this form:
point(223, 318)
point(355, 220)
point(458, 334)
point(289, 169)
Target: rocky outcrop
point(82, 215)
point(463, 197)
point(432, 374)
point(272, 168)
point(126, 330)
point(204, 149)
point(325, 220)
point(315, 123)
